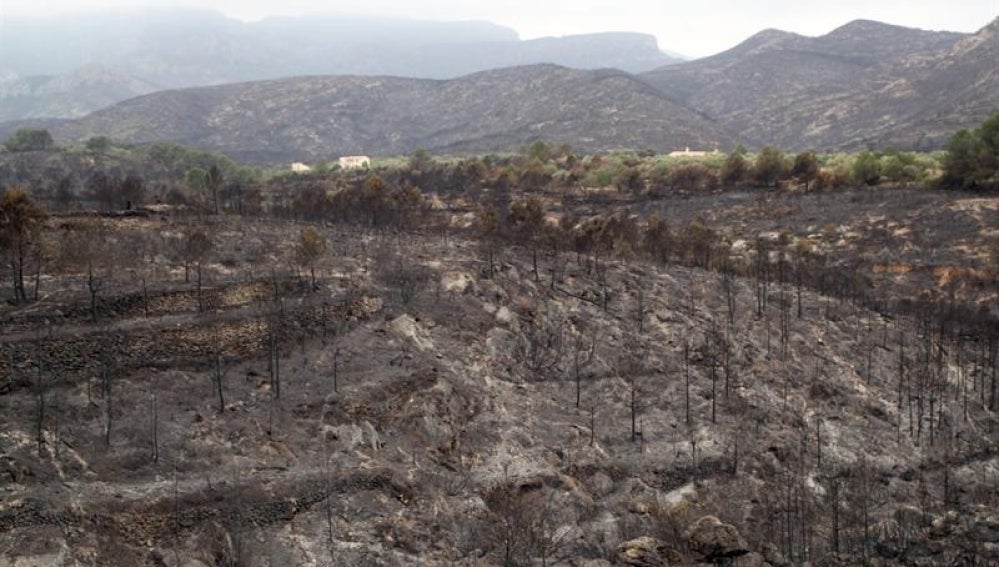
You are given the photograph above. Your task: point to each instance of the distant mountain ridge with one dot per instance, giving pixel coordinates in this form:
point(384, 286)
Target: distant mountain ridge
point(70, 95)
point(794, 91)
point(863, 85)
point(318, 117)
point(184, 48)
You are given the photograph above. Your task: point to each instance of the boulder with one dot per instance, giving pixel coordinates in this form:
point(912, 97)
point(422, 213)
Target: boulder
point(600, 484)
point(644, 552)
point(945, 526)
point(715, 540)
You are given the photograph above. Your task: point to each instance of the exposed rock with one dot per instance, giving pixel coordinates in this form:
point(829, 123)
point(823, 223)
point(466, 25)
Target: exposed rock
point(457, 282)
point(644, 552)
point(714, 540)
point(601, 484)
point(505, 316)
point(407, 327)
point(945, 525)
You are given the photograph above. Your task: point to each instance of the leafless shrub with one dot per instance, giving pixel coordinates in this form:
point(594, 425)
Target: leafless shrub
point(542, 343)
point(400, 273)
point(524, 525)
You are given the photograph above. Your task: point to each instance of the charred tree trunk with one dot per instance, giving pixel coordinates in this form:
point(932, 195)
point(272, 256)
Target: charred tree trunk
point(686, 379)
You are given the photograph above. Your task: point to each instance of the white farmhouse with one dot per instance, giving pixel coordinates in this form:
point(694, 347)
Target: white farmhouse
point(355, 162)
point(299, 167)
point(687, 152)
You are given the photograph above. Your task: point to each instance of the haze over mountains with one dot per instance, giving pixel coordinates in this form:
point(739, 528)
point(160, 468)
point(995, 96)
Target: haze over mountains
point(184, 48)
point(863, 84)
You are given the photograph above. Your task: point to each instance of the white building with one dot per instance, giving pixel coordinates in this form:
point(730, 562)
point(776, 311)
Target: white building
point(299, 167)
point(687, 152)
point(355, 162)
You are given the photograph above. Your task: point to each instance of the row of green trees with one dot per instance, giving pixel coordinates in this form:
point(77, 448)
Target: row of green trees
point(637, 174)
point(216, 181)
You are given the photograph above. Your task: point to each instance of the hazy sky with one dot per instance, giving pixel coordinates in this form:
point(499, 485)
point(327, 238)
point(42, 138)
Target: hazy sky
point(695, 27)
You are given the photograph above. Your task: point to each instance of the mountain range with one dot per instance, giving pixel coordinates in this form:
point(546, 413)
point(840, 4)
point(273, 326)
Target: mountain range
point(133, 52)
point(795, 91)
point(314, 117)
point(865, 84)
point(67, 95)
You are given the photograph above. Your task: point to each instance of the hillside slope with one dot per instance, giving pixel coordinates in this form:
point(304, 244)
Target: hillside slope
point(483, 415)
point(67, 96)
point(315, 117)
point(798, 92)
point(924, 100)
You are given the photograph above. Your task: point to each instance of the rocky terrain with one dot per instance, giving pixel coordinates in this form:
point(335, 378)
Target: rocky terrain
point(437, 399)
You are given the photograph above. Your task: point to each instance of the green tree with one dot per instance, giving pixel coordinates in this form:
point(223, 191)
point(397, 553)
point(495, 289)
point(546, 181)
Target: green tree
point(968, 162)
point(196, 178)
point(989, 133)
point(540, 151)
point(29, 139)
point(973, 156)
point(98, 144)
point(21, 222)
point(898, 168)
point(866, 169)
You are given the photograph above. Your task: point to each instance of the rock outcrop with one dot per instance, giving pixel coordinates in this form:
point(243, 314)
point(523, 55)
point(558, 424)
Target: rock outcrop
point(715, 540)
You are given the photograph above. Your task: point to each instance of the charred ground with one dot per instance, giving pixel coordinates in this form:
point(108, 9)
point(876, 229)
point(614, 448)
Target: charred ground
point(776, 377)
